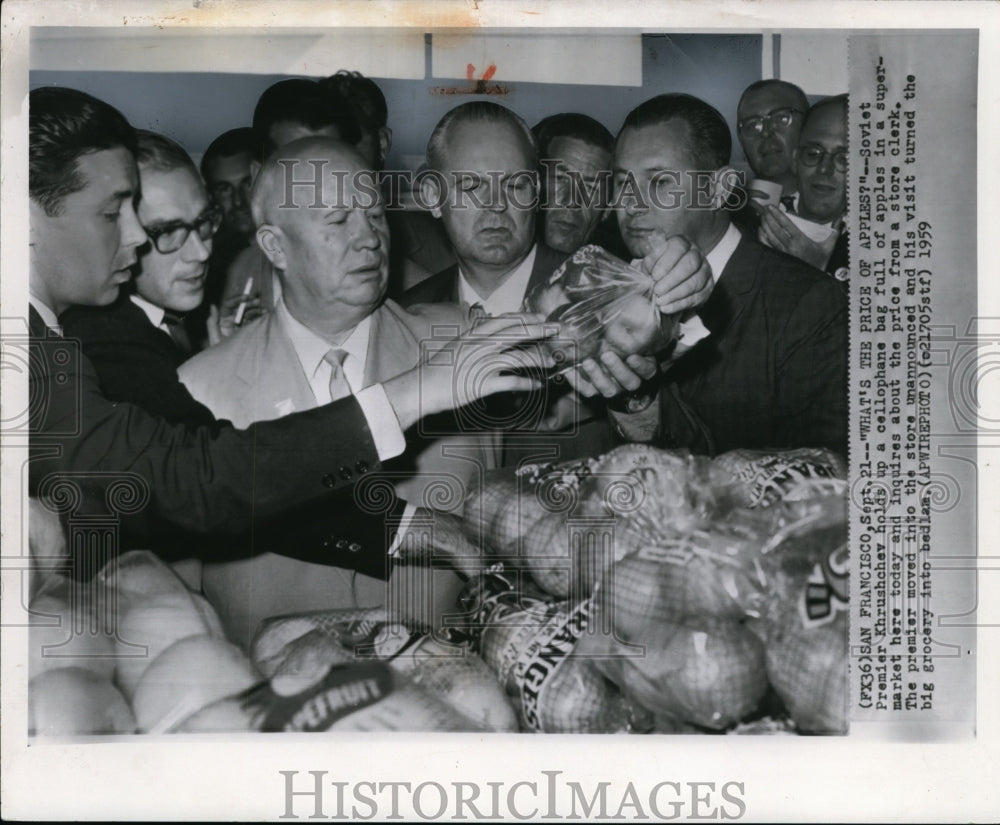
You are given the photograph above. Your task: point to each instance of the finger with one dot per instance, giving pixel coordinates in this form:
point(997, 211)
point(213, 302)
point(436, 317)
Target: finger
point(620, 371)
point(644, 366)
point(685, 278)
point(507, 383)
point(767, 220)
point(526, 317)
point(601, 379)
point(668, 305)
point(579, 382)
point(771, 237)
point(664, 258)
point(781, 219)
point(512, 328)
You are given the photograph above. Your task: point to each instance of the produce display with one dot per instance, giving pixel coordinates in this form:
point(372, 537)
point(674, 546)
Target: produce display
point(640, 591)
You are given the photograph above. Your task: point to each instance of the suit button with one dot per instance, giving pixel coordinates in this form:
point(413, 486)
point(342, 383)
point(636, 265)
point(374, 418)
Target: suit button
point(361, 467)
point(341, 544)
point(354, 547)
point(329, 481)
point(346, 474)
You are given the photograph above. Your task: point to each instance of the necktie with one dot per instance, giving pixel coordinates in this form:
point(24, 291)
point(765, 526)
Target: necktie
point(178, 332)
point(788, 201)
point(339, 388)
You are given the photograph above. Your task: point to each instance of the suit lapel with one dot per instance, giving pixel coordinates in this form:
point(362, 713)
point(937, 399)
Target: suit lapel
point(141, 329)
point(732, 292)
point(272, 377)
point(392, 347)
point(547, 261)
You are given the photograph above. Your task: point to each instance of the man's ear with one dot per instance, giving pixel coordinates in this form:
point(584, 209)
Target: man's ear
point(725, 182)
point(384, 142)
point(430, 193)
point(795, 160)
point(271, 240)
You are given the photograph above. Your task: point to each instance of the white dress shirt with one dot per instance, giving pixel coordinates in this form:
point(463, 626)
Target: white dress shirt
point(311, 350)
point(723, 251)
point(152, 311)
point(47, 315)
point(507, 297)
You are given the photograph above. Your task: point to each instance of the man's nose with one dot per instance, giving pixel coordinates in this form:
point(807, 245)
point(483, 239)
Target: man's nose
point(132, 233)
point(826, 166)
point(632, 204)
point(197, 248)
point(366, 235)
point(499, 201)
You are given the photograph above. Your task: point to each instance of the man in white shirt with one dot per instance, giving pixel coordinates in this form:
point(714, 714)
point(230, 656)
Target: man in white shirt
point(333, 333)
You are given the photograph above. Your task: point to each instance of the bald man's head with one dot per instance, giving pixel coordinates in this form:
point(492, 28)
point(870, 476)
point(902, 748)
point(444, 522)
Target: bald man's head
point(292, 175)
point(321, 223)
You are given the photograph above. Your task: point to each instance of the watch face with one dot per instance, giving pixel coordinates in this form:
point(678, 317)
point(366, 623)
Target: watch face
point(637, 402)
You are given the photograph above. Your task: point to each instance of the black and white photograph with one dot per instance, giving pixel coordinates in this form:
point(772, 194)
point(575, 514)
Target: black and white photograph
point(391, 391)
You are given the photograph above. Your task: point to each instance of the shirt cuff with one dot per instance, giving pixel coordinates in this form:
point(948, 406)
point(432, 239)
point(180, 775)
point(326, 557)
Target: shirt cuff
point(689, 333)
point(404, 524)
point(382, 422)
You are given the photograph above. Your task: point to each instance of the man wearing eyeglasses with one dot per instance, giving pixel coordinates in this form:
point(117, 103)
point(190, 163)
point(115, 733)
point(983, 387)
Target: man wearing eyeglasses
point(821, 197)
point(769, 118)
point(138, 342)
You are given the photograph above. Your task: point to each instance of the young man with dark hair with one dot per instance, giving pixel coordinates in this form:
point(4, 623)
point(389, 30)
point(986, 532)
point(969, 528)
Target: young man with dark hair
point(575, 153)
point(227, 169)
point(137, 343)
point(300, 107)
point(773, 371)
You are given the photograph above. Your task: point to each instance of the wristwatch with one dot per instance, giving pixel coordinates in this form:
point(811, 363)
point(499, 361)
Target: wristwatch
point(632, 402)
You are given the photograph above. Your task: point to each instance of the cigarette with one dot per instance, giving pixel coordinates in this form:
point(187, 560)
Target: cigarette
point(241, 308)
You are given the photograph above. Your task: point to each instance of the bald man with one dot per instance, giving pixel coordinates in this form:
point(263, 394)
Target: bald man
point(321, 224)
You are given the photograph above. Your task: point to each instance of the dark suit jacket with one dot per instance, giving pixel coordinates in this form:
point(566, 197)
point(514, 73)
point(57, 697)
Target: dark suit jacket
point(590, 437)
point(243, 487)
point(135, 361)
point(773, 373)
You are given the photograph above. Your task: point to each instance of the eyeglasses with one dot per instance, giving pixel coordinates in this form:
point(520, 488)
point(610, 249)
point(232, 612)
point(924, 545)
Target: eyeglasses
point(171, 236)
point(780, 119)
point(814, 156)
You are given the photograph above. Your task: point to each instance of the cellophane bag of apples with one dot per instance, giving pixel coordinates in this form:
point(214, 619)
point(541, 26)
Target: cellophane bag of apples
point(601, 303)
point(653, 590)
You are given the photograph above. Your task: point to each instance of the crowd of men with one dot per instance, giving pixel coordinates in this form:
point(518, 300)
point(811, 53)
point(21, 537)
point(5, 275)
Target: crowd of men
point(254, 349)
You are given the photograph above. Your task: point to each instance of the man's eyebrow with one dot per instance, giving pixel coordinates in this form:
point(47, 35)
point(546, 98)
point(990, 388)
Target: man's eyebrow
point(121, 195)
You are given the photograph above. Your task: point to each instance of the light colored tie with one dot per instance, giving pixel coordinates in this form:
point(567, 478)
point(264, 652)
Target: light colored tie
point(339, 388)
